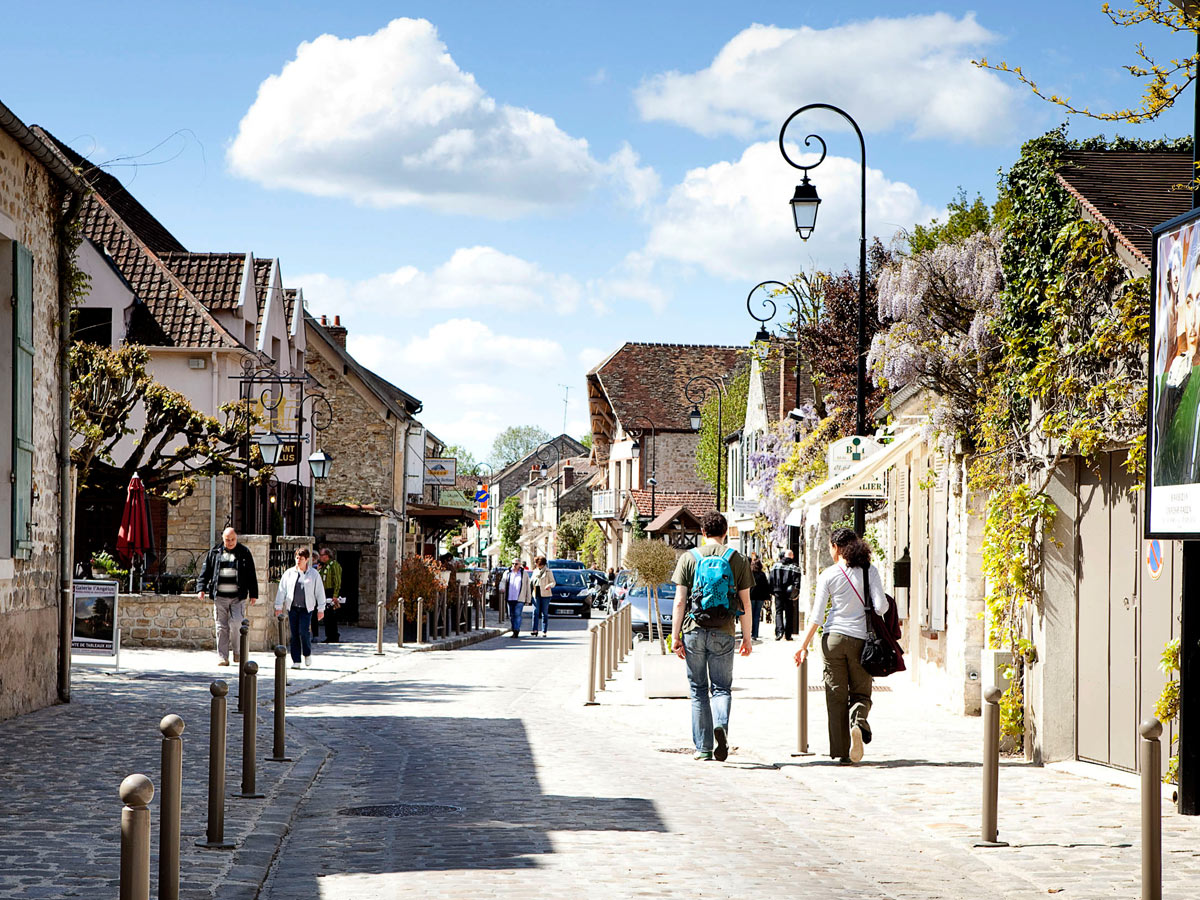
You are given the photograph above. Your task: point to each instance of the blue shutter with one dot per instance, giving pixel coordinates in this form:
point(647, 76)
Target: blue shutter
point(22, 507)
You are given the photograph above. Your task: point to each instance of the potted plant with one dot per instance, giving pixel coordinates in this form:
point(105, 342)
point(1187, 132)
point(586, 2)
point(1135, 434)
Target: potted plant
point(419, 577)
point(104, 566)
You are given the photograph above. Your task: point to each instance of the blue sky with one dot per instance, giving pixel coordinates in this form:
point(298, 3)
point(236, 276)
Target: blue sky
point(494, 195)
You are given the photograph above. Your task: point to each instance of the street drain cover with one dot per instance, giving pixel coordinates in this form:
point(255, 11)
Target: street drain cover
point(399, 810)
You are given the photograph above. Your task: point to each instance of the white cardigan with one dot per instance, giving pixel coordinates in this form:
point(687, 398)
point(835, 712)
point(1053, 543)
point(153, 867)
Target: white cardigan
point(314, 589)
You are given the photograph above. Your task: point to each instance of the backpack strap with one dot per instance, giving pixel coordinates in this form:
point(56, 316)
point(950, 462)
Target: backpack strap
point(728, 554)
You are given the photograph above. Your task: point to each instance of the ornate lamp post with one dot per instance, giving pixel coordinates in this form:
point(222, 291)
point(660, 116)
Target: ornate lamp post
point(696, 391)
point(543, 455)
point(804, 205)
point(764, 334)
point(638, 426)
point(319, 464)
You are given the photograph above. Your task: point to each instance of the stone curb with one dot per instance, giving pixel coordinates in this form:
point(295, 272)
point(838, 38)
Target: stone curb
point(463, 640)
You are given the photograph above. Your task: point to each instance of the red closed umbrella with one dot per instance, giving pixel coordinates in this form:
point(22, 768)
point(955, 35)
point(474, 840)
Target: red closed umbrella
point(134, 538)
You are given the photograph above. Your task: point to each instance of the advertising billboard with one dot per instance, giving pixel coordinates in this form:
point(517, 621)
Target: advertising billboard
point(95, 617)
point(1173, 410)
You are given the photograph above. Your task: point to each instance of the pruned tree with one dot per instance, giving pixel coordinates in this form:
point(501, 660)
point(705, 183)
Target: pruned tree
point(653, 562)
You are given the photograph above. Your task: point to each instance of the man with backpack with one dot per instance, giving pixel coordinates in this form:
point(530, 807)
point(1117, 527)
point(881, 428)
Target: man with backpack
point(716, 580)
point(785, 585)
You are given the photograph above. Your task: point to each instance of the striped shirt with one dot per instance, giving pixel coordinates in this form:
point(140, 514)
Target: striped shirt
point(227, 575)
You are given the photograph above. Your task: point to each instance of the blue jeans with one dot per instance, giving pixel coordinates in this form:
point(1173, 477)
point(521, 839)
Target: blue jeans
point(516, 613)
point(301, 636)
point(541, 614)
point(709, 669)
point(755, 616)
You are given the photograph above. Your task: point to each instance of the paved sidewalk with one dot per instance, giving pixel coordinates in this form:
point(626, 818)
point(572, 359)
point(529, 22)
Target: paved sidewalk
point(60, 807)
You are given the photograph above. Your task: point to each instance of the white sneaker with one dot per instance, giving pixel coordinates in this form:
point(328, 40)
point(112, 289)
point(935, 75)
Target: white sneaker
point(295, 665)
point(856, 743)
point(308, 664)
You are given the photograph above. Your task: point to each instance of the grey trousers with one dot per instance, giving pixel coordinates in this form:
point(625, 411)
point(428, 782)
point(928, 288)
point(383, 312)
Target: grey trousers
point(847, 689)
point(224, 611)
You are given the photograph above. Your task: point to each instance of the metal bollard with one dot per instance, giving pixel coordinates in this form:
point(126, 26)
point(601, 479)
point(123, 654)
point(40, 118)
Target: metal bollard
point(281, 627)
point(216, 771)
point(243, 653)
point(610, 653)
point(379, 616)
point(277, 752)
point(400, 622)
point(136, 793)
point(1151, 731)
point(991, 767)
point(420, 620)
point(591, 683)
point(169, 803)
point(250, 733)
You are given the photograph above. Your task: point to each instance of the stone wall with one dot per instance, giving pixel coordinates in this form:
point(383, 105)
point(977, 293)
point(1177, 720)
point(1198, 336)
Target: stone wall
point(186, 622)
point(28, 587)
point(675, 460)
point(190, 523)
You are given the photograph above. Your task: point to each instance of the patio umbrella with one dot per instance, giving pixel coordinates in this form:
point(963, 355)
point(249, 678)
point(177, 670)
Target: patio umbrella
point(135, 538)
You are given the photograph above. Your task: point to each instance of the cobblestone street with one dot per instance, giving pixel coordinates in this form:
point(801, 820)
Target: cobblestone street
point(510, 787)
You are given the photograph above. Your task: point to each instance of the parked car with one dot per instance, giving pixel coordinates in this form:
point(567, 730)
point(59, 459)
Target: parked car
point(638, 597)
point(564, 564)
point(570, 594)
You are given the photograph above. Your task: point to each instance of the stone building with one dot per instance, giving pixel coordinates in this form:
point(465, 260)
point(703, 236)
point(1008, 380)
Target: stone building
point(565, 487)
point(361, 506)
point(640, 432)
point(39, 194)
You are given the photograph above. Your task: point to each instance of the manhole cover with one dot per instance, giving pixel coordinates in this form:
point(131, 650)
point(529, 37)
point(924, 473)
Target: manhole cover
point(399, 810)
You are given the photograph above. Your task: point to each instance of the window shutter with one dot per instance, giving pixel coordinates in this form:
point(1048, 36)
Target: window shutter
point(22, 507)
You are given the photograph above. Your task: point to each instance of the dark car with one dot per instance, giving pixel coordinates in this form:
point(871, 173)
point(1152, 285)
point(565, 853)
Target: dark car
point(568, 596)
point(565, 564)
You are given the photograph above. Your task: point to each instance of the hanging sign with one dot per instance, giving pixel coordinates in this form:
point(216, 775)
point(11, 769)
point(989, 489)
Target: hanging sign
point(441, 471)
point(846, 453)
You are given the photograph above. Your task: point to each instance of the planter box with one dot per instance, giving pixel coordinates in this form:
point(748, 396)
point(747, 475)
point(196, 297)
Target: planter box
point(664, 676)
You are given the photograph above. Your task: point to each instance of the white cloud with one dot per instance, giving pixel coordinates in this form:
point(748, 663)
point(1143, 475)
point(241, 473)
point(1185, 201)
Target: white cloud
point(458, 349)
point(732, 219)
point(389, 119)
point(913, 73)
point(473, 278)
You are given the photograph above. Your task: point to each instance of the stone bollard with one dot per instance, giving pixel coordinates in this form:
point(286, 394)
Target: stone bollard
point(802, 709)
point(169, 804)
point(243, 654)
point(991, 767)
point(1151, 731)
point(136, 793)
point(277, 751)
point(216, 771)
point(593, 646)
point(250, 733)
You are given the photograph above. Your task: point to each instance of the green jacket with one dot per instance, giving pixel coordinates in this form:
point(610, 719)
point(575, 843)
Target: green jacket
point(331, 577)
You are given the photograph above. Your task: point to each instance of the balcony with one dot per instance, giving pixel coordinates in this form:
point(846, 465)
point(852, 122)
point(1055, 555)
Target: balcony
point(604, 504)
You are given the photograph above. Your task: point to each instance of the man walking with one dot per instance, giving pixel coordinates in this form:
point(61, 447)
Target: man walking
point(228, 574)
point(331, 578)
point(514, 587)
point(785, 586)
point(716, 580)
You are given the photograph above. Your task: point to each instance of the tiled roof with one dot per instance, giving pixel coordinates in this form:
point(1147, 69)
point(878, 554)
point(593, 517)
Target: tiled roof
point(262, 280)
point(698, 503)
point(649, 379)
point(1129, 191)
point(214, 278)
point(148, 229)
point(289, 306)
point(168, 314)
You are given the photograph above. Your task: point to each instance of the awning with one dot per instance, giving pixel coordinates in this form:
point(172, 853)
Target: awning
point(796, 517)
point(681, 514)
point(839, 486)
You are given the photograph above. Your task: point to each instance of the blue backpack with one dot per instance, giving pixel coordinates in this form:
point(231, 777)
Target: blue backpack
point(714, 591)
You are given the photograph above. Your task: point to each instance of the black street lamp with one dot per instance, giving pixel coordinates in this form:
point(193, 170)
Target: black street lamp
point(543, 455)
point(804, 205)
point(696, 391)
point(637, 428)
point(764, 334)
point(319, 464)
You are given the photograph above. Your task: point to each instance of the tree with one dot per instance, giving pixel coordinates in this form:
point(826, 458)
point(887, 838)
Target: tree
point(175, 447)
point(467, 464)
point(510, 529)
point(654, 563)
point(592, 553)
point(516, 442)
point(711, 445)
point(586, 440)
point(572, 529)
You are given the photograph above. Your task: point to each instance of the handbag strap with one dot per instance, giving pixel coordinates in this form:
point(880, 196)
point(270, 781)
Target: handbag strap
point(867, 588)
point(846, 575)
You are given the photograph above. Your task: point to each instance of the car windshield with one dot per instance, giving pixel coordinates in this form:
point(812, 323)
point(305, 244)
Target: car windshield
point(568, 578)
point(665, 591)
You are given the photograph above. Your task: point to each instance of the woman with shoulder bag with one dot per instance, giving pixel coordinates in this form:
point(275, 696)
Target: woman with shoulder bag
point(840, 607)
point(301, 594)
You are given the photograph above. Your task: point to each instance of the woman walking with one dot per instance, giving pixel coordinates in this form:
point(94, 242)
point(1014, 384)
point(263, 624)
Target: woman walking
point(840, 606)
point(759, 594)
point(514, 588)
point(303, 595)
point(542, 581)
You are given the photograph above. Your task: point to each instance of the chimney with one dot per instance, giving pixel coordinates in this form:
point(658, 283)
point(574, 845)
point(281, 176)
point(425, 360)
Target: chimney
point(568, 476)
point(337, 331)
point(535, 473)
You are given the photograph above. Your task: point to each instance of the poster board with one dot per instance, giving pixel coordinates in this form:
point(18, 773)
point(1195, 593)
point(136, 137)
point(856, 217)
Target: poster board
point(1173, 408)
point(95, 630)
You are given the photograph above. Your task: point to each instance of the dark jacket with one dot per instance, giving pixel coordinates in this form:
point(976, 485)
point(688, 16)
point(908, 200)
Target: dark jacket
point(785, 580)
point(761, 592)
point(246, 574)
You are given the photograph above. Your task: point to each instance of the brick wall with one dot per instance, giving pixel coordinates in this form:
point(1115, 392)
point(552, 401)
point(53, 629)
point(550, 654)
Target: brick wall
point(28, 594)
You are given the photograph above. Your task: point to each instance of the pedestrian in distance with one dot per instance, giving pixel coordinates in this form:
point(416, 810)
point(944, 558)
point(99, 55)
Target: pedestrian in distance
point(228, 576)
point(514, 588)
point(542, 583)
point(331, 578)
point(844, 589)
point(759, 594)
point(713, 593)
point(785, 587)
point(301, 596)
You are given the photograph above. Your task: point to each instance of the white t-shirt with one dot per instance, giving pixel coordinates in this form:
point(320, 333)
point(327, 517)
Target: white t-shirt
point(840, 590)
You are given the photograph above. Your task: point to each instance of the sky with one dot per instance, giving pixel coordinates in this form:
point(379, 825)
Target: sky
point(495, 196)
